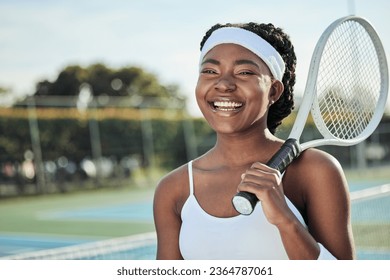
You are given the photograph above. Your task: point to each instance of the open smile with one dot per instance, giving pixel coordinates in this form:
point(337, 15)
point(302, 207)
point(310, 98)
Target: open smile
point(226, 106)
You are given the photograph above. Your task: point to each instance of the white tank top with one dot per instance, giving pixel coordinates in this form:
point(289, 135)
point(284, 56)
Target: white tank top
point(203, 236)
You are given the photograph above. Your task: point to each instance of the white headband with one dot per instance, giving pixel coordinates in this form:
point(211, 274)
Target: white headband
point(250, 41)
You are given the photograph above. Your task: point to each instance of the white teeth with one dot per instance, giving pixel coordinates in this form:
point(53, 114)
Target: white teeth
point(226, 105)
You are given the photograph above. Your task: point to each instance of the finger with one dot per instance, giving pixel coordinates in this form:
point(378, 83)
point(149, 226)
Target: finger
point(259, 181)
point(262, 180)
point(265, 168)
point(262, 192)
point(266, 173)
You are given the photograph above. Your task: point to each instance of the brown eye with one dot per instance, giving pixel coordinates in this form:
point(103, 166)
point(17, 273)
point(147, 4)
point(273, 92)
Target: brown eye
point(208, 71)
point(246, 73)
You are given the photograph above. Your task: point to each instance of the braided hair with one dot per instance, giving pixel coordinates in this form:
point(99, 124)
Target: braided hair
point(281, 42)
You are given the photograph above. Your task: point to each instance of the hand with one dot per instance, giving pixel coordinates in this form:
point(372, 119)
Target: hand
point(266, 183)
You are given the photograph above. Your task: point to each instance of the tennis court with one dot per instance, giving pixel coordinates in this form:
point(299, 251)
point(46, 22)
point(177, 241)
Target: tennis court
point(61, 220)
point(118, 224)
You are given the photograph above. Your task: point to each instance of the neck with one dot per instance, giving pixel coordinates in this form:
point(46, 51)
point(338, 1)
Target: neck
point(244, 149)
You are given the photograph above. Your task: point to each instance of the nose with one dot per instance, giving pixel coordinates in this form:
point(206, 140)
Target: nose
point(226, 83)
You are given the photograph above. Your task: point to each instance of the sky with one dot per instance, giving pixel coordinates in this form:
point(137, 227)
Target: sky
point(38, 38)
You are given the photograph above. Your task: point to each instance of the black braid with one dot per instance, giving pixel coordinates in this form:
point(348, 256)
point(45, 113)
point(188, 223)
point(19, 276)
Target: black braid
point(281, 42)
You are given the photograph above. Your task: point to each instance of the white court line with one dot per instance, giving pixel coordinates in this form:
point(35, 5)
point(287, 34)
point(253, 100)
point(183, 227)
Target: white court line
point(370, 193)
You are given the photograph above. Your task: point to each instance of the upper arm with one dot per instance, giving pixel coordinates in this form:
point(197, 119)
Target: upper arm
point(327, 203)
point(167, 218)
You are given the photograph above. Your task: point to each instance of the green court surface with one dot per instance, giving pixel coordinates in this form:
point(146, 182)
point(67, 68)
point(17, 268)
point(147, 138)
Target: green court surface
point(59, 214)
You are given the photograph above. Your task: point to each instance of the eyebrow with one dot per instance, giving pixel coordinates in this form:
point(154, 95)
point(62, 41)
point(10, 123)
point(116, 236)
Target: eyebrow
point(246, 61)
point(212, 61)
point(237, 62)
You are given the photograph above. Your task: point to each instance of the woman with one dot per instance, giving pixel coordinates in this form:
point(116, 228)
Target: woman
point(244, 90)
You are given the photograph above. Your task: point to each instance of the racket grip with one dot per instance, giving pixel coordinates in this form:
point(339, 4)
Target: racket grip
point(245, 202)
point(289, 151)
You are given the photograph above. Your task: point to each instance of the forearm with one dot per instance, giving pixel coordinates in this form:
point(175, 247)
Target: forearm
point(298, 242)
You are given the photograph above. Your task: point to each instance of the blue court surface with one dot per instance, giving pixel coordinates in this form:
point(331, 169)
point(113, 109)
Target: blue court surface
point(11, 244)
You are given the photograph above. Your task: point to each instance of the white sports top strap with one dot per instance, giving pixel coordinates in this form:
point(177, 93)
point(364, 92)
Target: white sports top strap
point(191, 180)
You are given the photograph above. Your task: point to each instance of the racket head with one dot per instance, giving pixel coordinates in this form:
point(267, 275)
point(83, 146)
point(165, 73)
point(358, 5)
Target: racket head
point(351, 82)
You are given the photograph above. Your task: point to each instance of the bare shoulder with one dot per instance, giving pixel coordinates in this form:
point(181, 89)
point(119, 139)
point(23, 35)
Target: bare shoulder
point(316, 181)
point(170, 194)
point(316, 166)
point(314, 157)
point(173, 187)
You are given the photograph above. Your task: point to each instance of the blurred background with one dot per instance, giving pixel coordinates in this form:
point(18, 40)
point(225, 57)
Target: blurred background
point(97, 103)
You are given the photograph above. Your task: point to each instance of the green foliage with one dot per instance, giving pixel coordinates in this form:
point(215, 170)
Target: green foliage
point(3, 90)
point(71, 137)
point(120, 137)
point(64, 137)
point(14, 139)
point(104, 81)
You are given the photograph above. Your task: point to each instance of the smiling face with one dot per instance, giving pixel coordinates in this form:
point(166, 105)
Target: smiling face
point(235, 89)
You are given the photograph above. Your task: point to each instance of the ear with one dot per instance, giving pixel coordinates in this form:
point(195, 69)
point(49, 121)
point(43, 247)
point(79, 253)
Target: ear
point(276, 91)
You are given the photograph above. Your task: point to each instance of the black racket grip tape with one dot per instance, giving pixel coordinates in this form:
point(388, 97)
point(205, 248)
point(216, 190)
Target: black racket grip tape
point(245, 202)
point(289, 151)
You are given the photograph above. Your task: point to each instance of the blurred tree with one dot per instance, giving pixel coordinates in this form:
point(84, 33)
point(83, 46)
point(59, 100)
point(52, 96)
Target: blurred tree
point(3, 90)
point(104, 81)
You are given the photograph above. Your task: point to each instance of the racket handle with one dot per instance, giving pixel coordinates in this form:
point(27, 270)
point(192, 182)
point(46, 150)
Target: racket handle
point(289, 151)
point(245, 202)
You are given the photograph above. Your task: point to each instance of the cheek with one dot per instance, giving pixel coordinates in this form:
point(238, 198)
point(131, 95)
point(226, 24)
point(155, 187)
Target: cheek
point(266, 90)
point(200, 94)
point(262, 95)
point(260, 103)
point(198, 90)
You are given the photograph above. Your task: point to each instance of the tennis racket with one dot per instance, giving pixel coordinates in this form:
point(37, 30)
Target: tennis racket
point(346, 92)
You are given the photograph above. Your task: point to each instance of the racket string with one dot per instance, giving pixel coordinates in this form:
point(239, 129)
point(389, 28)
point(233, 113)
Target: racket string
point(348, 85)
